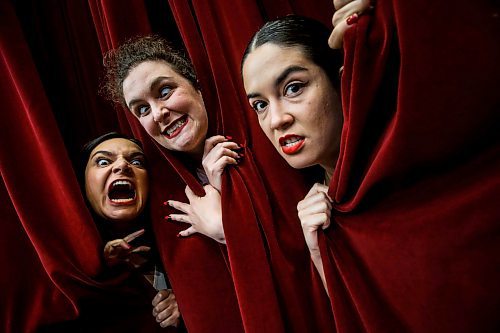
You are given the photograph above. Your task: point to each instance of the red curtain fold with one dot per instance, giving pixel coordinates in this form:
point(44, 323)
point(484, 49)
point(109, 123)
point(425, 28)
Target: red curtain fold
point(414, 240)
point(277, 288)
point(54, 249)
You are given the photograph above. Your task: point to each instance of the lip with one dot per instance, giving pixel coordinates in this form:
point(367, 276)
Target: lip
point(122, 202)
point(178, 130)
point(291, 149)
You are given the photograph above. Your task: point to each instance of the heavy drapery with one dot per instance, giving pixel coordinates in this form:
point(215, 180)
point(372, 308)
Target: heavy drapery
point(415, 236)
point(51, 64)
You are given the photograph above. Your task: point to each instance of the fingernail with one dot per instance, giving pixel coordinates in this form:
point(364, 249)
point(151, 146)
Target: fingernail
point(352, 19)
point(168, 218)
point(242, 145)
point(165, 203)
point(229, 137)
point(178, 235)
point(128, 247)
point(241, 155)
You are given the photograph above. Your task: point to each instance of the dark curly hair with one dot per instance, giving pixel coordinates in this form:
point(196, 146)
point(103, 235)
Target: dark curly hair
point(120, 61)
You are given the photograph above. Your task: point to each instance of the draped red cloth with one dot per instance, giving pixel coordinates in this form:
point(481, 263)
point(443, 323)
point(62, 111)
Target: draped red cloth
point(277, 288)
point(415, 235)
point(51, 247)
point(51, 64)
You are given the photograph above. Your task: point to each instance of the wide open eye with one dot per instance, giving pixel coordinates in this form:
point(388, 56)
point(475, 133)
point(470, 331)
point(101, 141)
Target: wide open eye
point(143, 110)
point(102, 162)
point(165, 91)
point(259, 106)
point(293, 89)
point(138, 162)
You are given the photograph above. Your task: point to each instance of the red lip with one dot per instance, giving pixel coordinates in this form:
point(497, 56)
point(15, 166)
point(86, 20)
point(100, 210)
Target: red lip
point(298, 143)
point(178, 130)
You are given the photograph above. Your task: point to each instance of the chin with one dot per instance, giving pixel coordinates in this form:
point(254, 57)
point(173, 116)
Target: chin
point(298, 163)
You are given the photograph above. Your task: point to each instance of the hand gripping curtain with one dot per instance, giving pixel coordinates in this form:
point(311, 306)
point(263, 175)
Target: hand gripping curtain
point(414, 240)
point(276, 285)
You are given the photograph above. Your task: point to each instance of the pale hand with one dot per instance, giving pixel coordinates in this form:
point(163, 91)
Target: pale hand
point(346, 14)
point(218, 153)
point(203, 213)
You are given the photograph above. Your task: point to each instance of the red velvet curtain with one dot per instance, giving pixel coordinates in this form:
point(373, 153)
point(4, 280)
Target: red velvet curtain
point(415, 236)
point(51, 65)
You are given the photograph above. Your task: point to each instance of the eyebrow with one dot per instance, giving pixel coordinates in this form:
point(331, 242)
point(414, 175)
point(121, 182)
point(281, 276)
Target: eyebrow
point(153, 84)
point(107, 153)
point(281, 77)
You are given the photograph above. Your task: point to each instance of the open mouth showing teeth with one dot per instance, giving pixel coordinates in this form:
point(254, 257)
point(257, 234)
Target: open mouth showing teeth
point(291, 144)
point(175, 128)
point(121, 192)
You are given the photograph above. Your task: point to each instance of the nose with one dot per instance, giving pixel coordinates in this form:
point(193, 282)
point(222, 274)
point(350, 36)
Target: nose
point(280, 117)
point(121, 165)
point(160, 112)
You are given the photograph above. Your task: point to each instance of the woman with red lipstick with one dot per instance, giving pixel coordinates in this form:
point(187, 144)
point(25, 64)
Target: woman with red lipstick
point(298, 107)
point(158, 85)
point(116, 186)
point(404, 229)
point(277, 289)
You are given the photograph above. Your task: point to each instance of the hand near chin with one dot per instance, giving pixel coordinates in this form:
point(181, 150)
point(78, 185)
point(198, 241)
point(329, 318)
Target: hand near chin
point(314, 212)
point(218, 153)
point(120, 251)
point(165, 308)
point(346, 15)
point(203, 213)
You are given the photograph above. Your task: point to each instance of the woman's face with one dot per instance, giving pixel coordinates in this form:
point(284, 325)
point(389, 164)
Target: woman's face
point(116, 180)
point(296, 104)
point(169, 108)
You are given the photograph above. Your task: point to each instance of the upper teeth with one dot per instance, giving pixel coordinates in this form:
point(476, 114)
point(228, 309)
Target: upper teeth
point(292, 141)
point(175, 126)
point(122, 182)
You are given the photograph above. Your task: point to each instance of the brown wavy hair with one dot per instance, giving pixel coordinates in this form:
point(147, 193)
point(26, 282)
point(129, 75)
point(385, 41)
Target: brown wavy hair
point(120, 61)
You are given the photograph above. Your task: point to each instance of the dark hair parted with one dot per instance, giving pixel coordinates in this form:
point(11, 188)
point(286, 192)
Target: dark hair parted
point(120, 61)
point(89, 146)
point(298, 31)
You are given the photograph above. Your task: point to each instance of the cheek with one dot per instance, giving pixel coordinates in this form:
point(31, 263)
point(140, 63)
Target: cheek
point(266, 128)
point(148, 124)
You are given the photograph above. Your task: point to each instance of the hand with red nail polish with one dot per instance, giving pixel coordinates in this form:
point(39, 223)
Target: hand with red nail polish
point(120, 251)
point(204, 214)
point(347, 13)
point(219, 152)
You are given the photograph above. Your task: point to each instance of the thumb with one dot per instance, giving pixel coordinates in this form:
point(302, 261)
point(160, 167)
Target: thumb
point(188, 232)
point(190, 194)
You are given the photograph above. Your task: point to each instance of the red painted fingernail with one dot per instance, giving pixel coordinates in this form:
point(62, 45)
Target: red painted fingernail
point(229, 137)
point(241, 155)
point(352, 19)
point(178, 235)
point(165, 203)
point(168, 218)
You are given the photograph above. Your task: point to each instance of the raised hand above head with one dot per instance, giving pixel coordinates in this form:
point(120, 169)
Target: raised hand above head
point(346, 14)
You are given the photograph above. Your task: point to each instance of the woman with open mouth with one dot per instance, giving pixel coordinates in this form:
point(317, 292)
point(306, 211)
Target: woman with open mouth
point(116, 187)
point(158, 85)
